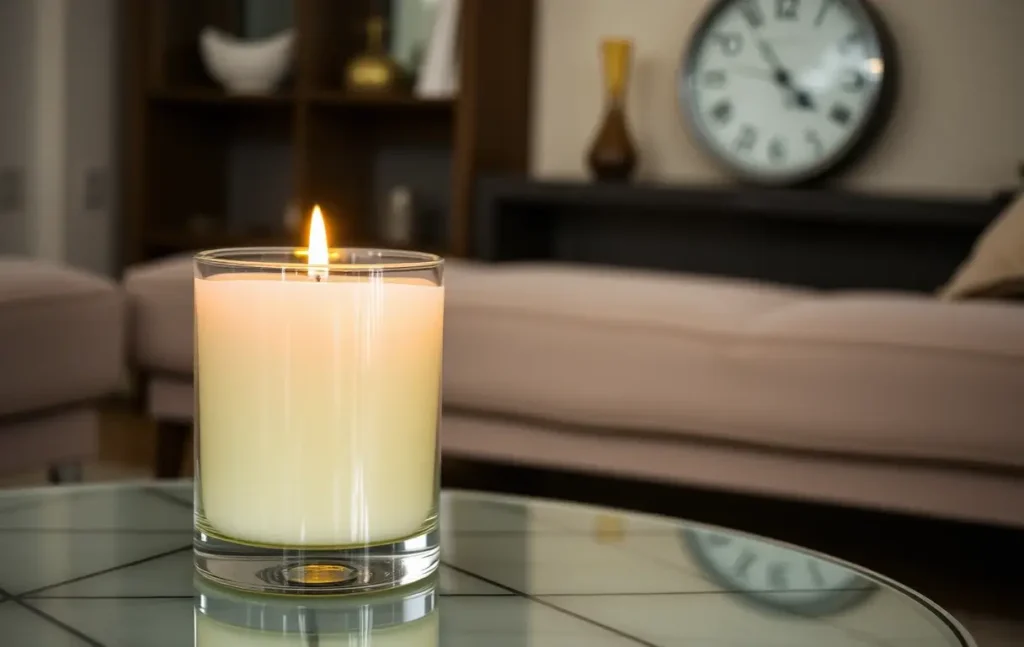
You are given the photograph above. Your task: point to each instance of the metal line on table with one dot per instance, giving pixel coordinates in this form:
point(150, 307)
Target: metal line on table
point(35, 592)
point(54, 621)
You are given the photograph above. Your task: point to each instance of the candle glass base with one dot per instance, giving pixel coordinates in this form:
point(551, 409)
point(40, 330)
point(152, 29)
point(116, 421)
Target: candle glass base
point(312, 571)
point(404, 617)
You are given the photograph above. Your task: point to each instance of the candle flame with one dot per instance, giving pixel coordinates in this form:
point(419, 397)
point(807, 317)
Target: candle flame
point(318, 254)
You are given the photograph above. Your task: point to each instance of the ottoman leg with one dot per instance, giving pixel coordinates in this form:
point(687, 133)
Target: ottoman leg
point(170, 448)
point(64, 473)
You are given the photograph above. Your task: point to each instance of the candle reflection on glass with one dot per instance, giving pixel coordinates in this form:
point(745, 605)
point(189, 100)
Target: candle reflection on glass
point(407, 617)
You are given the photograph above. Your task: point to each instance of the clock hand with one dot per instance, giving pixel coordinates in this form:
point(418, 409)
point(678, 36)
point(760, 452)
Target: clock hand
point(783, 78)
point(780, 74)
point(768, 54)
point(799, 98)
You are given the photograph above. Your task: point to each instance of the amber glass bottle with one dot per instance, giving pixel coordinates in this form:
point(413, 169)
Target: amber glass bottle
point(613, 155)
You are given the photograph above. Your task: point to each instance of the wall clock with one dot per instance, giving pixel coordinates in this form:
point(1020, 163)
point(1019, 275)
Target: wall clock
point(783, 92)
point(775, 577)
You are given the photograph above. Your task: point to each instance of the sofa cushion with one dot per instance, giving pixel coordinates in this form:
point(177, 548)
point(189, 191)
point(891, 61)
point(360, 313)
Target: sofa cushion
point(160, 294)
point(61, 336)
point(995, 267)
point(700, 305)
point(735, 361)
point(903, 322)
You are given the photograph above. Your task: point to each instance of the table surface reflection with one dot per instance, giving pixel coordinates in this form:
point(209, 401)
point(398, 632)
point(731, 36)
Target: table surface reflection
point(112, 565)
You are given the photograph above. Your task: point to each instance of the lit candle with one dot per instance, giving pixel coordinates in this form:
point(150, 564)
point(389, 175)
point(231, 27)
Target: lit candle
point(317, 402)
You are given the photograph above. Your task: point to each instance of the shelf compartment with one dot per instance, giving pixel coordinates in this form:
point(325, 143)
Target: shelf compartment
point(228, 169)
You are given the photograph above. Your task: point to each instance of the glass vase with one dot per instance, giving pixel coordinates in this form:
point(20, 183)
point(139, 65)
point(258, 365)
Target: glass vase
point(612, 154)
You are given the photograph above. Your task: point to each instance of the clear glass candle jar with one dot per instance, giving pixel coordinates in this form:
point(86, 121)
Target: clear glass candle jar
point(317, 404)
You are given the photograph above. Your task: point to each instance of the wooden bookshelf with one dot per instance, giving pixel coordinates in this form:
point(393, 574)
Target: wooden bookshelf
point(181, 131)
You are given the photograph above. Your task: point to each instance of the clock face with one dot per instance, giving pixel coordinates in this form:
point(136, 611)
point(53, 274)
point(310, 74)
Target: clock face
point(782, 91)
point(775, 576)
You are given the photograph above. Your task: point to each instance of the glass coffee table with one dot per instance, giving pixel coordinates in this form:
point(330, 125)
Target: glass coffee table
point(112, 565)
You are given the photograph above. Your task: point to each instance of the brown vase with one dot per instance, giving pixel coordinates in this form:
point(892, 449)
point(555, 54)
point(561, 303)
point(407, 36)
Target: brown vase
point(613, 155)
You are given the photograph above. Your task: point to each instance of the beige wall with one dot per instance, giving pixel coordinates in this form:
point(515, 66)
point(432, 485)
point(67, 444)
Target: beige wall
point(16, 20)
point(958, 125)
point(90, 64)
point(47, 172)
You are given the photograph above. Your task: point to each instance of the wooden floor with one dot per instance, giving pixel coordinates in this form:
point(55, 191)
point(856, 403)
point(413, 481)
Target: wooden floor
point(974, 571)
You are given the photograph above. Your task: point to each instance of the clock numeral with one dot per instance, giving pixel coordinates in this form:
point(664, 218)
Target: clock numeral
point(814, 139)
point(752, 12)
point(714, 78)
point(777, 578)
point(825, 6)
point(787, 9)
point(852, 81)
point(732, 43)
point(722, 112)
point(743, 563)
point(840, 114)
point(746, 140)
point(777, 150)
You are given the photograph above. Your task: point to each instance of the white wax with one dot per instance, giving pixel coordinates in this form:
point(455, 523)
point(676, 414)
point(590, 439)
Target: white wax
point(317, 407)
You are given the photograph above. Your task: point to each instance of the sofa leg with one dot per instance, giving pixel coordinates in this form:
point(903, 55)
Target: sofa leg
point(170, 448)
point(64, 473)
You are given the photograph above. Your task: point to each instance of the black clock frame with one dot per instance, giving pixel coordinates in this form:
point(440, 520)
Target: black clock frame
point(856, 147)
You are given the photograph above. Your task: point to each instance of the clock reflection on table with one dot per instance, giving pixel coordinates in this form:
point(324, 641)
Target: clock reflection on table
point(774, 577)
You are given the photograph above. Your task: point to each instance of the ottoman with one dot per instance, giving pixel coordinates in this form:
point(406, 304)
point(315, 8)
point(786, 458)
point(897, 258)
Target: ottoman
point(61, 351)
point(160, 303)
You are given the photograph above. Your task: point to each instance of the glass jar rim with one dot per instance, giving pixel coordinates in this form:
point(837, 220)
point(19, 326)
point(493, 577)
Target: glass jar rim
point(246, 258)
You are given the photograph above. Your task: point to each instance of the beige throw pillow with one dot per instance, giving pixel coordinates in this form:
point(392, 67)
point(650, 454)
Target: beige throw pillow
point(995, 268)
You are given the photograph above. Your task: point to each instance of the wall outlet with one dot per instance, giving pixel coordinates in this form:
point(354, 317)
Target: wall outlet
point(12, 190)
point(96, 196)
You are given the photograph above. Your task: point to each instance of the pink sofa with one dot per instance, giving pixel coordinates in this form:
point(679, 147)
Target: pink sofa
point(62, 338)
point(882, 400)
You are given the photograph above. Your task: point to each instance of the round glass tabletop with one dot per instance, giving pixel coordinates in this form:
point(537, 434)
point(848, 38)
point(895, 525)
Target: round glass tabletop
point(112, 566)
